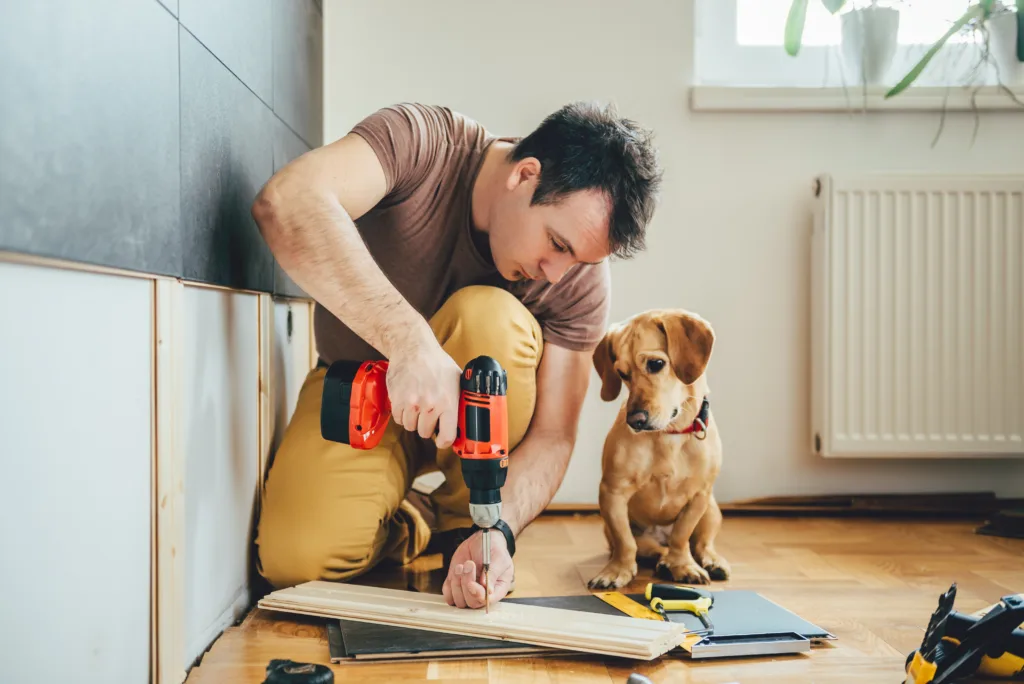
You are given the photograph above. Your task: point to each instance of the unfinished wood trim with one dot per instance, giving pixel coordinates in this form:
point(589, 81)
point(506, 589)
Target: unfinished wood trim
point(168, 581)
point(266, 390)
point(616, 635)
point(68, 265)
point(312, 336)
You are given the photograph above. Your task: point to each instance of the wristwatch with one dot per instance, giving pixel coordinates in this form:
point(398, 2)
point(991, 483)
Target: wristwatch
point(510, 539)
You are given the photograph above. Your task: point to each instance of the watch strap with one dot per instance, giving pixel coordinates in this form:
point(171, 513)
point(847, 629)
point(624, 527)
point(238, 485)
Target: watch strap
point(510, 539)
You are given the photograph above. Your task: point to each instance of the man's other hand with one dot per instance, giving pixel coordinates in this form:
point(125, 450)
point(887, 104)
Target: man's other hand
point(464, 586)
point(423, 385)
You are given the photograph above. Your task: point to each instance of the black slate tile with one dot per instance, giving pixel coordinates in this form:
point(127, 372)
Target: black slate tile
point(298, 67)
point(227, 154)
point(239, 33)
point(287, 146)
point(89, 166)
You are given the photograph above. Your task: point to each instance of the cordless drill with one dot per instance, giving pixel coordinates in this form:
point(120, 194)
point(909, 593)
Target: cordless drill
point(355, 410)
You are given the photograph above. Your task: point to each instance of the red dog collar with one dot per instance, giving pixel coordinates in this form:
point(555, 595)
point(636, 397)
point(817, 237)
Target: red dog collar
point(699, 426)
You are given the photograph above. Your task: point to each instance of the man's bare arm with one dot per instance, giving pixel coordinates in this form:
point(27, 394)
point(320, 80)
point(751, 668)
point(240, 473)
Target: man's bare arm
point(306, 214)
point(537, 466)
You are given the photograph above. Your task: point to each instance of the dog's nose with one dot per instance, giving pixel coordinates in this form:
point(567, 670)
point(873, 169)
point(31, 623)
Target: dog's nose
point(637, 420)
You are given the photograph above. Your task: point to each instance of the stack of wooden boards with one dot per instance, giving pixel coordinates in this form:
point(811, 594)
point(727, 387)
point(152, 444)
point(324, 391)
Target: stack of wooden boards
point(374, 624)
point(548, 627)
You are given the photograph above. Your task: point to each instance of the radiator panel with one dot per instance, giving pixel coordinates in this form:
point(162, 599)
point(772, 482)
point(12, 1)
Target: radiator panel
point(918, 316)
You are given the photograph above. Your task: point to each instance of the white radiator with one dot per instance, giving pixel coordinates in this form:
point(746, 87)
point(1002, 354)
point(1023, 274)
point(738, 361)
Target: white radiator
point(918, 316)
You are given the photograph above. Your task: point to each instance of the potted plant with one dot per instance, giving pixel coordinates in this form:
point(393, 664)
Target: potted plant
point(981, 16)
point(869, 36)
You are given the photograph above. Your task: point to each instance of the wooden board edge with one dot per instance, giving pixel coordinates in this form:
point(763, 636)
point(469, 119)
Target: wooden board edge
point(313, 356)
point(266, 385)
point(169, 482)
point(639, 650)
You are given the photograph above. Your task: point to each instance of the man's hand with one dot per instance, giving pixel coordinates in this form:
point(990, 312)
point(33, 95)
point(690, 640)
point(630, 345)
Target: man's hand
point(423, 385)
point(464, 585)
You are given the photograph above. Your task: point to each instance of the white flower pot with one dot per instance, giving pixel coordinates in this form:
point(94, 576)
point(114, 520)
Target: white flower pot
point(1002, 43)
point(869, 40)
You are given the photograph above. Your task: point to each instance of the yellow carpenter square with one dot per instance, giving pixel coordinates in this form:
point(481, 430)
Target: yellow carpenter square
point(627, 605)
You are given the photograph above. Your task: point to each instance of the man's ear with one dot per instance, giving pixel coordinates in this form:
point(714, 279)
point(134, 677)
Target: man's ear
point(604, 363)
point(526, 170)
point(690, 339)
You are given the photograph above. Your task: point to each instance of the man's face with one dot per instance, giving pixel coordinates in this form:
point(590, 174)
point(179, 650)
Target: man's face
point(541, 242)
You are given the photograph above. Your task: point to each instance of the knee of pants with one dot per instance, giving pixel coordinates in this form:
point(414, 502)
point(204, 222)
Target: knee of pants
point(306, 550)
point(481, 319)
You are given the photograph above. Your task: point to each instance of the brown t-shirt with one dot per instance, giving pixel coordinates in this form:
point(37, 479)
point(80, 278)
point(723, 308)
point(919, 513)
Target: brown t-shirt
point(420, 234)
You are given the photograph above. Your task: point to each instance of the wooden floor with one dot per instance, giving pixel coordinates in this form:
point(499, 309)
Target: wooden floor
point(872, 583)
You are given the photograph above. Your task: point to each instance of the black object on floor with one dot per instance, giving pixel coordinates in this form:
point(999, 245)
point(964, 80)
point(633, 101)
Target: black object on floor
point(291, 672)
point(1006, 523)
point(740, 614)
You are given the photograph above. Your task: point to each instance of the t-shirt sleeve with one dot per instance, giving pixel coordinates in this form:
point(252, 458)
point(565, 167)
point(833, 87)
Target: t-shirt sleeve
point(407, 139)
point(575, 314)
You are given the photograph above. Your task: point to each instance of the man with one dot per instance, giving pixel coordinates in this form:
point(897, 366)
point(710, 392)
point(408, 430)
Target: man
point(428, 241)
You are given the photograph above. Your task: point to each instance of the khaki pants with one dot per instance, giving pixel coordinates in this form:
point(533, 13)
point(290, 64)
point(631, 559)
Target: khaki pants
point(332, 512)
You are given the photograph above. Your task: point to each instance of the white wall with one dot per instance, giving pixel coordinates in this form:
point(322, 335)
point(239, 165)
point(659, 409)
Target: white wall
point(731, 239)
point(75, 475)
point(221, 388)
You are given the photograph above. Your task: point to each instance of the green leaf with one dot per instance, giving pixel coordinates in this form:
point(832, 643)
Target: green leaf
point(795, 26)
point(975, 12)
point(834, 6)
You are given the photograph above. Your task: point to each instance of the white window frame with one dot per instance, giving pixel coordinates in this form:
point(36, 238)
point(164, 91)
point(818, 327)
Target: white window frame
point(720, 61)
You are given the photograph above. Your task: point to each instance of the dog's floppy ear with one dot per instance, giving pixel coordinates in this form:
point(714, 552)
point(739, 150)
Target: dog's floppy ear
point(604, 363)
point(690, 339)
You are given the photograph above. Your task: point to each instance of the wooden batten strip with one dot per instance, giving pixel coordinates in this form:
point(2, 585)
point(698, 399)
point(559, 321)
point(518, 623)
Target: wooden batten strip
point(169, 472)
point(528, 624)
point(266, 390)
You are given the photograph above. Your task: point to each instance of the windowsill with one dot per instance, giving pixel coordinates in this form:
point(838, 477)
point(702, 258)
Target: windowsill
point(772, 99)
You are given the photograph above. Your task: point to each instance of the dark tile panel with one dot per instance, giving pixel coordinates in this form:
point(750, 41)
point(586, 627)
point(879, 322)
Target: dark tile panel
point(239, 33)
point(287, 146)
point(89, 165)
point(227, 154)
point(298, 67)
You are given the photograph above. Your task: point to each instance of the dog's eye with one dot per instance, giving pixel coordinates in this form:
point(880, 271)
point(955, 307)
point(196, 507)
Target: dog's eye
point(655, 365)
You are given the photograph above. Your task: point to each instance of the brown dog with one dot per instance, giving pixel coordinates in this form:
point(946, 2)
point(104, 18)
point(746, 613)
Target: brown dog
point(660, 460)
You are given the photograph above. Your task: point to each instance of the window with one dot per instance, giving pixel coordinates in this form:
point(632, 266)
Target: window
point(740, 43)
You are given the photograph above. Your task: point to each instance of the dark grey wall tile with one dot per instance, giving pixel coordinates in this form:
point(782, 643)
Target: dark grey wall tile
point(287, 146)
point(171, 5)
point(89, 166)
point(298, 67)
point(227, 154)
point(239, 33)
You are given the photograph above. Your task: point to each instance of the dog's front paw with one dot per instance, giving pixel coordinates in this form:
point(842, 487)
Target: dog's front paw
point(613, 576)
point(717, 567)
point(684, 572)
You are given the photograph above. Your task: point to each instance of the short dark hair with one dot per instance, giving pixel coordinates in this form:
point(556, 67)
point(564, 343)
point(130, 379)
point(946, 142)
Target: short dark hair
point(585, 146)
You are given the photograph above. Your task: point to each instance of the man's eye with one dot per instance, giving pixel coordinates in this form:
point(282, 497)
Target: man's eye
point(558, 247)
point(655, 365)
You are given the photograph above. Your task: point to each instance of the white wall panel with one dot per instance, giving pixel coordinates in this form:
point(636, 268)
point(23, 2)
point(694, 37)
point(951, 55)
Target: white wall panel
point(75, 490)
point(221, 389)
